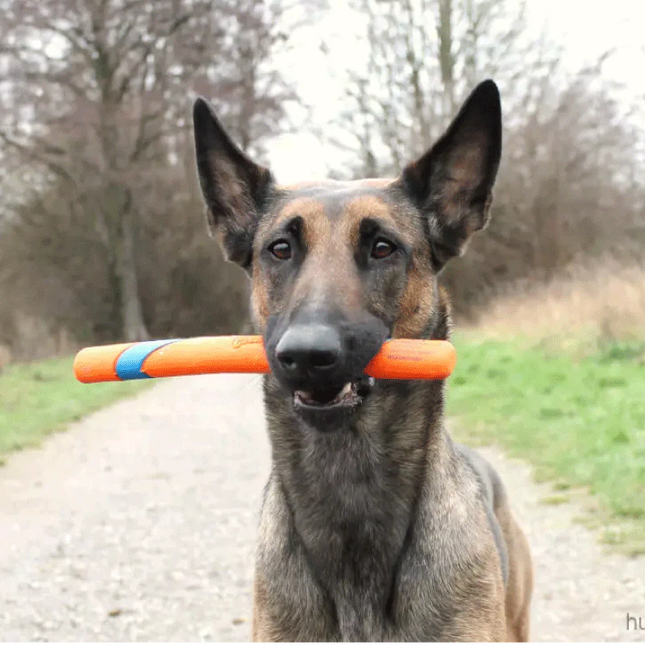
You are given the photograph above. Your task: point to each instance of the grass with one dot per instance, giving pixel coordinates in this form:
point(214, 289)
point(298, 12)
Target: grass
point(603, 301)
point(578, 417)
point(37, 399)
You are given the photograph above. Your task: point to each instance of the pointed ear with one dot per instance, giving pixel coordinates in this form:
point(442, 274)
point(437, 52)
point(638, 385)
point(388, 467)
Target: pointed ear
point(452, 183)
point(235, 188)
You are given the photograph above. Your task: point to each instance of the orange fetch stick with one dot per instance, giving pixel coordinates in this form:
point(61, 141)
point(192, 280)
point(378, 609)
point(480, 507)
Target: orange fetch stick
point(400, 358)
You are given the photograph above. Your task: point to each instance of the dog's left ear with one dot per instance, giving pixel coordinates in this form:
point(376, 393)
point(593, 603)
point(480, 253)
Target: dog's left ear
point(235, 188)
point(452, 183)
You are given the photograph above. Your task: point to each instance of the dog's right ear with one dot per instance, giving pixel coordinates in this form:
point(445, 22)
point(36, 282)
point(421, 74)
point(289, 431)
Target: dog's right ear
point(235, 188)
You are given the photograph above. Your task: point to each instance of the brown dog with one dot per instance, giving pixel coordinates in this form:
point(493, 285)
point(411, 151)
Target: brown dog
point(375, 525)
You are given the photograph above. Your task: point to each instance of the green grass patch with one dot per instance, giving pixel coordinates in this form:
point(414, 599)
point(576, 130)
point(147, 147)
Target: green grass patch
point(37, 399)
point(555, 500)
point(578, 417)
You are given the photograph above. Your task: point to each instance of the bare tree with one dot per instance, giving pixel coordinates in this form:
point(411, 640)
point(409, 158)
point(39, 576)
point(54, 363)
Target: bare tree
point(569, 184)
point(421, 59)
point(96, 105)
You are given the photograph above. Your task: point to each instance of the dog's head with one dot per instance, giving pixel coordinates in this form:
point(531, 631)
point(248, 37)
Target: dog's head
point(338, 267)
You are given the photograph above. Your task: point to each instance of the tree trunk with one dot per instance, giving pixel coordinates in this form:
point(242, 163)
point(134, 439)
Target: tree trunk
point(120, 206)
point(134, 327)
point(446, 58)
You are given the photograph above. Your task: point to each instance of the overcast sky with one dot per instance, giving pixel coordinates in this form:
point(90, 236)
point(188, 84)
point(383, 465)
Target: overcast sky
point(585, 28)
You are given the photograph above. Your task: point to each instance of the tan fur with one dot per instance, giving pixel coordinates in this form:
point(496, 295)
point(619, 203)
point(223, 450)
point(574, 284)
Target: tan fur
point(259, 301)
point(311, 210)
point(417, 303)
point(358, 209)
point(261, 626)
point(316, 227)
point(520, 577)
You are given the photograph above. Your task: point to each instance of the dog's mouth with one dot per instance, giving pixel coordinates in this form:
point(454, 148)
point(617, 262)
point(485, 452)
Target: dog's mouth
point(348, 396)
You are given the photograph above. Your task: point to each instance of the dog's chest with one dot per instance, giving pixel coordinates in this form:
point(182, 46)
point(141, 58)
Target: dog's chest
point(345, 584)
point(356, 565)
point(354, 601)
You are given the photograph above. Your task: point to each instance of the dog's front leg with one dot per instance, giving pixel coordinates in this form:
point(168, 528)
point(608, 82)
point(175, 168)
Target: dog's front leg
point(262, 629)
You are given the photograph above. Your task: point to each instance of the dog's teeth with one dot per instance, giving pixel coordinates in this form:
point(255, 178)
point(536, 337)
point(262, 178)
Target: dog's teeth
point(347, 390)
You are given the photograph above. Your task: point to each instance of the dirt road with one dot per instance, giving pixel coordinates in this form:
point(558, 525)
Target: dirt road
point(139, 524)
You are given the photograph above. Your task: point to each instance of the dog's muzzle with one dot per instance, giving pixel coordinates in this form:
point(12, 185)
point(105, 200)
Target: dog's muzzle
point(316, 363)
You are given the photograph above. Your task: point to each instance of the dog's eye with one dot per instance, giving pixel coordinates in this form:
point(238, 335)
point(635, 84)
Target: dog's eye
point(382, 248)
point(281, 249)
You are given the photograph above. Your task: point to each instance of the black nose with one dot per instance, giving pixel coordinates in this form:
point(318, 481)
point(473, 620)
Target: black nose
point(309, 350)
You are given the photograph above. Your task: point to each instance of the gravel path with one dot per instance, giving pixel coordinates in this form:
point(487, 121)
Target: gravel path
point(139, 524)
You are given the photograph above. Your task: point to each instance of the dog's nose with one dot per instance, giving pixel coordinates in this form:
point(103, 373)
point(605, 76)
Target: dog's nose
point(309, 350)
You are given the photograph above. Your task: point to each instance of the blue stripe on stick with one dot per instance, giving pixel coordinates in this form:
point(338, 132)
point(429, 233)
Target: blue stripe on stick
point(128, 365)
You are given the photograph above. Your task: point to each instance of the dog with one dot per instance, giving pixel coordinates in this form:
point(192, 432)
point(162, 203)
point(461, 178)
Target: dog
point(375, 525)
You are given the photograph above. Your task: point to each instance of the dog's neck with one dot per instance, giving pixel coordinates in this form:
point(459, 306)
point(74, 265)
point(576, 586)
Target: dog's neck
point(354, 490)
